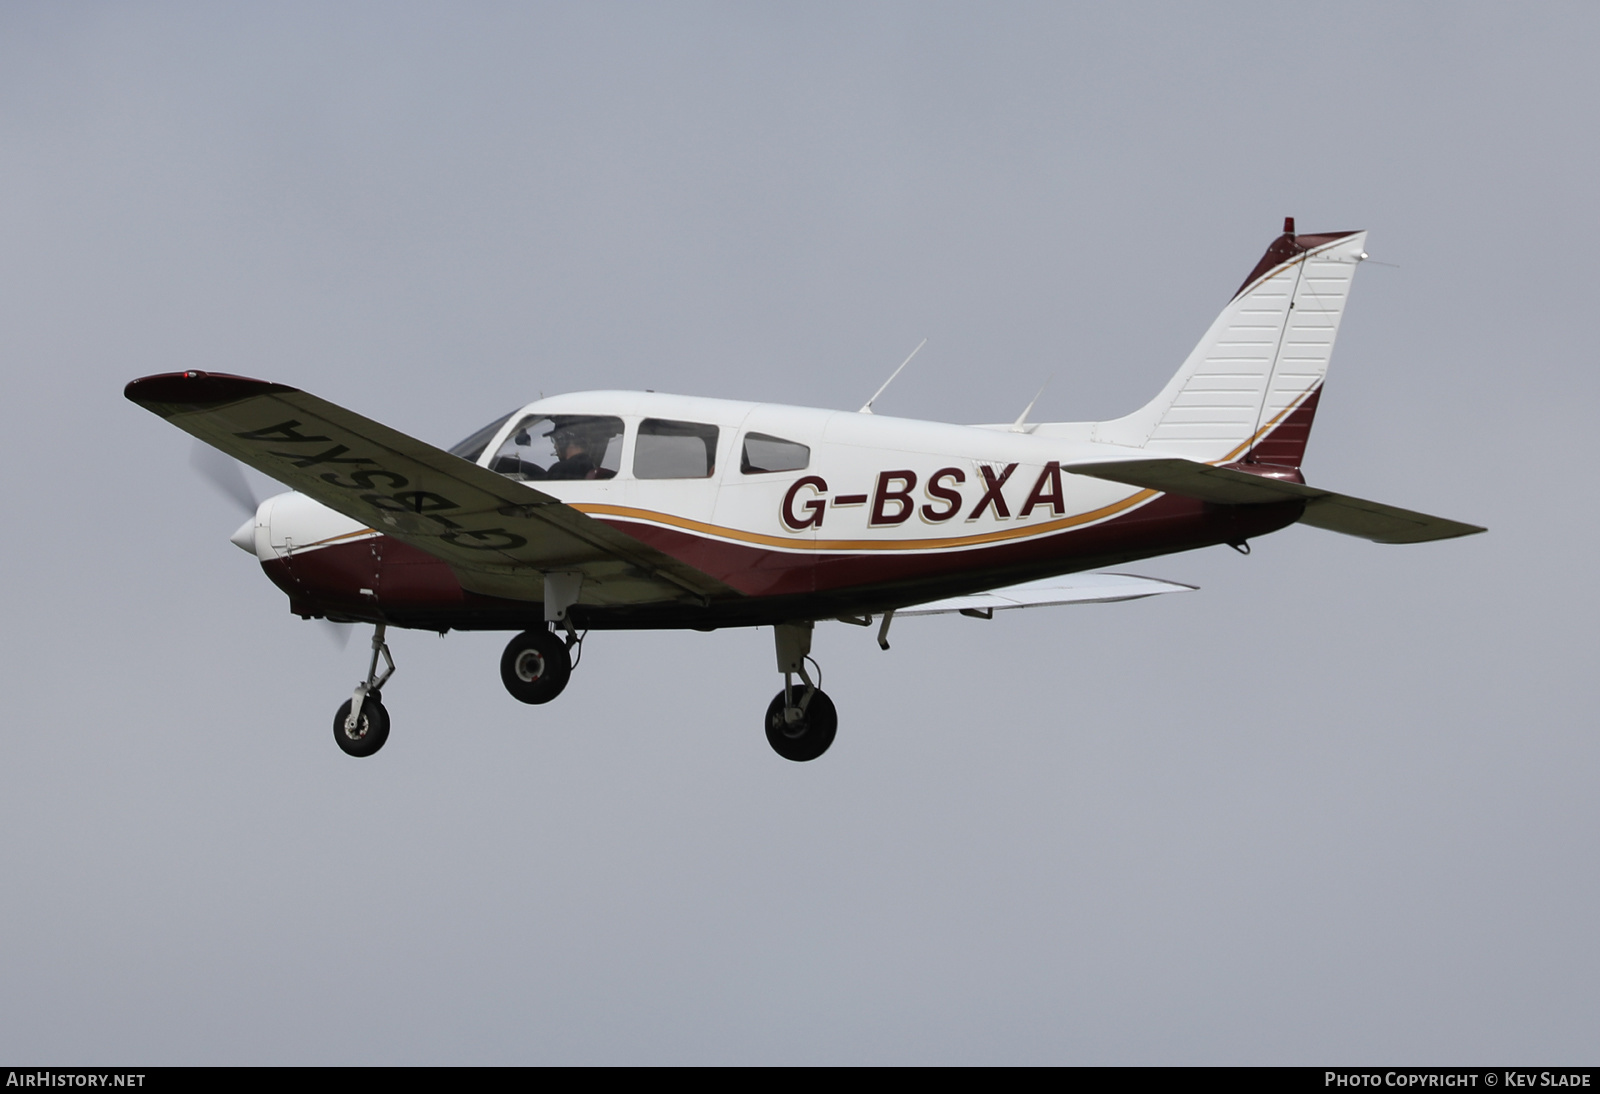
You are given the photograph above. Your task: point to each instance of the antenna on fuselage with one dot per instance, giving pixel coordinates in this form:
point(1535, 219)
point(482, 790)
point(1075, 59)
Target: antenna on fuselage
point(1020, 425)
point(867, 409)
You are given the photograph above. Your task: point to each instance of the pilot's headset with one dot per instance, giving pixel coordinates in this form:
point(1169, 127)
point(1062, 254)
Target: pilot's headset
point(567, 433)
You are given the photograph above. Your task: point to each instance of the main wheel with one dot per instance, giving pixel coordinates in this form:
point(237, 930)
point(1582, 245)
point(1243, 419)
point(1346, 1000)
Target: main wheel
point(808, 737)
point(535, 666)
point(372, 729)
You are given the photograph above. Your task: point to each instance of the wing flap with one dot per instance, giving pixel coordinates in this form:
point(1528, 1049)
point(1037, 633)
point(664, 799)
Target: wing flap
point(497, 535)
point(1072, 589)
point(1342, 513)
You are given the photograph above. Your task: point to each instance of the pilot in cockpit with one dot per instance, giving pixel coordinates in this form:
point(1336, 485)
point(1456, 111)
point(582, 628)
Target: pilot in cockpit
point(561, 447)
point(578, 446)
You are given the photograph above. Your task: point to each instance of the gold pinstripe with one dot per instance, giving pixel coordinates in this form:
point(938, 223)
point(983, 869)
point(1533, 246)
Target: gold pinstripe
point(1268, 428)
point(336, 539)
point(765, 540)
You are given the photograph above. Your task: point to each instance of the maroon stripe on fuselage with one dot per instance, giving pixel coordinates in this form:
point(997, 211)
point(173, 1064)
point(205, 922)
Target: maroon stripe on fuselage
point(330, 580)
point(408, 587)
point(1166, 524)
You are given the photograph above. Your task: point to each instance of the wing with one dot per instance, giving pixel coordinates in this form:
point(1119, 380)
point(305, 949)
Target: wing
point(498, 536)
point(1324, 509)
point(1072, 589)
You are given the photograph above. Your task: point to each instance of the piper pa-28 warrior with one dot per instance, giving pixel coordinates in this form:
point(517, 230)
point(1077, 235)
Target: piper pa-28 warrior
point(609, 509)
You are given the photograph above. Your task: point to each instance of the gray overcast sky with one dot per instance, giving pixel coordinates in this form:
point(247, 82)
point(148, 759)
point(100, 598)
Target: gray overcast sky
point(1338, 806)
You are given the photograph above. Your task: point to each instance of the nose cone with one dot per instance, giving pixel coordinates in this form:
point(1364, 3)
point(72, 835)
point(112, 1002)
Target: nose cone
point(245, 537)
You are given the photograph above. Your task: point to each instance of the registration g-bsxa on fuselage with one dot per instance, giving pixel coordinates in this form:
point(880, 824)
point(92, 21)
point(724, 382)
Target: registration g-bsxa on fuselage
point(613, 509)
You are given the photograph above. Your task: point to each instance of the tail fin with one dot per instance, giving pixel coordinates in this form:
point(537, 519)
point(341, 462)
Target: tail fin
point(1249, 390)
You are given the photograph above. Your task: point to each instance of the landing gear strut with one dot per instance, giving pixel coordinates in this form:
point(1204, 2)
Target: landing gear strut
point(537, 665)
point(801, 720)
point(362, 724)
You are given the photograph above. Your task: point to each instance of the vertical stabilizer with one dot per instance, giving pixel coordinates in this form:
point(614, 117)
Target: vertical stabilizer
point(1250, 388)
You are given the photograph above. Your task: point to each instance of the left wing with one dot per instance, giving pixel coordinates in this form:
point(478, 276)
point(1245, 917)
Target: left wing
point(1324, 509)
point(1072, 589)
point(498, 536)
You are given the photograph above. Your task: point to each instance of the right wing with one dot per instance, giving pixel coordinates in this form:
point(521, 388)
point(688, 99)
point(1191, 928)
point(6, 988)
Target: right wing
point(498, 536)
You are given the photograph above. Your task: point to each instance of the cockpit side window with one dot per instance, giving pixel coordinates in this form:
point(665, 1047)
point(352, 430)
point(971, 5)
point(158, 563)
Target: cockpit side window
point(674, 450)
point(471, 448)
point(764, 454)
point(561, 446)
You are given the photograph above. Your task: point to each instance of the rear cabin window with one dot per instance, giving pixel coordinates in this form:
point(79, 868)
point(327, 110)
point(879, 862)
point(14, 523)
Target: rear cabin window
point(561, 446)
point(674, 450)
point(763, 454)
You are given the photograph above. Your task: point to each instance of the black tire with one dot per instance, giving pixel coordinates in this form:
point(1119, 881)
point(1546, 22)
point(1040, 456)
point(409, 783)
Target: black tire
point(808, 738)
point(370, 734)
point(535, 667)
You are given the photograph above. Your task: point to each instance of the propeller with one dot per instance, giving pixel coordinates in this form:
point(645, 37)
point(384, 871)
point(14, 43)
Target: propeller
point(337, 633)
point(222, 472)
point(225, 475)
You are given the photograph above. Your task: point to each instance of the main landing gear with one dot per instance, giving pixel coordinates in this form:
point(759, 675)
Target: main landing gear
point(537, 664)
point(362, 724)
point(801, 720)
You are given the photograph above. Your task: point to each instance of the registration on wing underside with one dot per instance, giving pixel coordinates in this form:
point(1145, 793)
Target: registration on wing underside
point(495, 534)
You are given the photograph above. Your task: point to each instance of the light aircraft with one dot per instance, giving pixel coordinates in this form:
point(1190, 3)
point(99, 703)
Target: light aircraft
point(625, 509)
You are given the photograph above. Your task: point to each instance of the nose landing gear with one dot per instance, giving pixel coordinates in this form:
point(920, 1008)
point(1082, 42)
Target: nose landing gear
point(369, 730)
point(801, 721)
point(362, 724)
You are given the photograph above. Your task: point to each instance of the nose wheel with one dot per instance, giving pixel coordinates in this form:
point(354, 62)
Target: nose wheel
point(370, 728)
point(362, 724)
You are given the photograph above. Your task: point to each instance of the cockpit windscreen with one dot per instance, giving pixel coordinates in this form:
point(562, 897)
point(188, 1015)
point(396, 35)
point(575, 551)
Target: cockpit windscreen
point(471, 448)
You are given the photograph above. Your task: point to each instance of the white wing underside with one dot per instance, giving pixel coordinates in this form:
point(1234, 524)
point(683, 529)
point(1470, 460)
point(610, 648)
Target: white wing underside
point(1072, 589)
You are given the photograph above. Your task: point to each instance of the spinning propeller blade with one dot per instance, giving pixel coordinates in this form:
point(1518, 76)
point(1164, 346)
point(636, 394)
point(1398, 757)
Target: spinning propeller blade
point(223, 472)
point(338, 633)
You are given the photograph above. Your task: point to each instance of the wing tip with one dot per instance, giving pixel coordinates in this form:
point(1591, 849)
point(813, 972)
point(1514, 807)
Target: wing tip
point(197, 389)
point(1452, 530)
